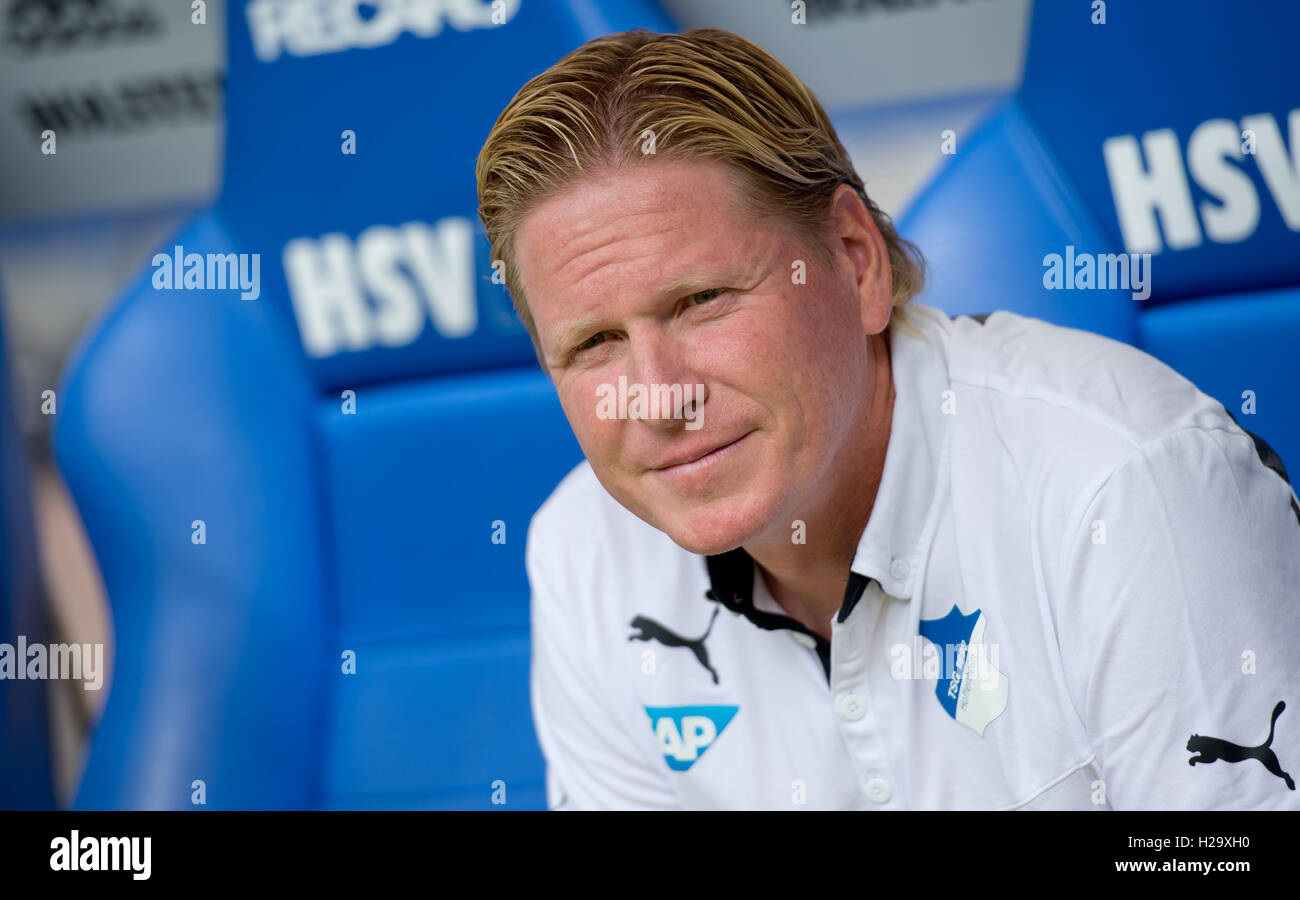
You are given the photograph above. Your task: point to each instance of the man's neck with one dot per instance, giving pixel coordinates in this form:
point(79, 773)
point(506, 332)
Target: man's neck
point(808, 579)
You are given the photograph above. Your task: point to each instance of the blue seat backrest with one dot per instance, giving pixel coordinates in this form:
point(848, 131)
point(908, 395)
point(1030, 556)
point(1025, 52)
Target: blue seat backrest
point(1148, 134)
point(310, 507)
point(352, 134)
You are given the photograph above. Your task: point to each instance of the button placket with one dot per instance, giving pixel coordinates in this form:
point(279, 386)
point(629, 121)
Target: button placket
point(851, 707)
point(853, 702)
point(878, 790)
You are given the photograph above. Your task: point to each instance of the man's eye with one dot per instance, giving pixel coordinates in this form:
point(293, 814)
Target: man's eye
point(703, 296)
point(591, 341)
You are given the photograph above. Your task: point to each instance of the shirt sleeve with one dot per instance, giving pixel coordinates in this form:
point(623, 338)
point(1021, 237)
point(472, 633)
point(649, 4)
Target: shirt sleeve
point(592, 760)
point(1180, 625)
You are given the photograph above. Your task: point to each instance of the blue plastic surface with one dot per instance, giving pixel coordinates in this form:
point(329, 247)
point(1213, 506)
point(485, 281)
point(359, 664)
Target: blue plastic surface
point(347, 634)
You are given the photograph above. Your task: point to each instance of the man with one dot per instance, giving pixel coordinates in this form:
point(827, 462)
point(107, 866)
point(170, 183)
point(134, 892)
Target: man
point(969, 563)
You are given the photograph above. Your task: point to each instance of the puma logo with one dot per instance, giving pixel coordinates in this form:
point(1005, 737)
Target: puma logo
point(650, 630)
point(1212, 749)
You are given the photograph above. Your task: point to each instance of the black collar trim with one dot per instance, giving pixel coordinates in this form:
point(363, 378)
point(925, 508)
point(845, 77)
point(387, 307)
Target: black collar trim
point(1268, 456)
point(852, 594)
point(731, 579)
point(731, 583)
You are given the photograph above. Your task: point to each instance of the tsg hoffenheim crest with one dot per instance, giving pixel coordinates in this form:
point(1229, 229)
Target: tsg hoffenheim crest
point(970, 688)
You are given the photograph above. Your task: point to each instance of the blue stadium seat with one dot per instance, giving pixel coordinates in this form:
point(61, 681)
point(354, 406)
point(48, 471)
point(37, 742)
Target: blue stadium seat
point(1143, 135)
point(339, 471)
point(26, 772)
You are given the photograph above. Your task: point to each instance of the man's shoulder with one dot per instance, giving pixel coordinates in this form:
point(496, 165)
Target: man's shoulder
point(578, 506)
point(603, 565)
point(1052, 414)
point(570, 502)
point(1096, 387)
point(580, 516)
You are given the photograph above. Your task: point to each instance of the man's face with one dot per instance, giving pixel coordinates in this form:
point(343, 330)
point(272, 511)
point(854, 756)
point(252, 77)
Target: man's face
point(653, 273)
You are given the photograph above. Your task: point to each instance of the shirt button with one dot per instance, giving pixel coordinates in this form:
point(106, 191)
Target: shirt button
point(899, 569)
point(878, 790)
point(851, 707)
point(806, 639)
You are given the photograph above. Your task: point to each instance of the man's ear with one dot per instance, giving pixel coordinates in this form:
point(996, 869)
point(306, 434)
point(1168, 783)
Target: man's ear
point(856, 235)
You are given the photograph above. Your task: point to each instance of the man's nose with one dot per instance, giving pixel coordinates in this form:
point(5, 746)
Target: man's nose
point(674, 392)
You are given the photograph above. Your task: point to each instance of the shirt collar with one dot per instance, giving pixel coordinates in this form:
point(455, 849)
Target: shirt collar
point(892, 547)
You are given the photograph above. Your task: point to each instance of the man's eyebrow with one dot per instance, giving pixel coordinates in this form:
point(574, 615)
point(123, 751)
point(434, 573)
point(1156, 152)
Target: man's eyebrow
point(580, 328)
point(575, 330)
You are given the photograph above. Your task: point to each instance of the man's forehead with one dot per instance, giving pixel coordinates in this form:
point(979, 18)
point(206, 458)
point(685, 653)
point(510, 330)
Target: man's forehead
point(668, 228)
point(633, 205)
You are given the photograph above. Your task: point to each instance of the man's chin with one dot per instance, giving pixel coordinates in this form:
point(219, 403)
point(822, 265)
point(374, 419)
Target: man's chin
point(712, 531)
point(710, 547)
point(706, 528)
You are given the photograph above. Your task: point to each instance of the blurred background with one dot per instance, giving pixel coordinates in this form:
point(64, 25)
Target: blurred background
point(296, 522)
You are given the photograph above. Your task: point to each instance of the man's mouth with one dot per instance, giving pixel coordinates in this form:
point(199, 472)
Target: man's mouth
point(698, 459)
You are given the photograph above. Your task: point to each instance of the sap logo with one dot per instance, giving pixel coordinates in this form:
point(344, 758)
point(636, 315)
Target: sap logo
point(685, 732)
point(311, 27)
point(1214, 150)
point(409, 275)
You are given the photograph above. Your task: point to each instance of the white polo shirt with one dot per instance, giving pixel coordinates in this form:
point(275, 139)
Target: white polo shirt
point(1079, 588)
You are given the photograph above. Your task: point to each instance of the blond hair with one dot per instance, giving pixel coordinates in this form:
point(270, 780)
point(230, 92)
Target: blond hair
point(702, 94)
